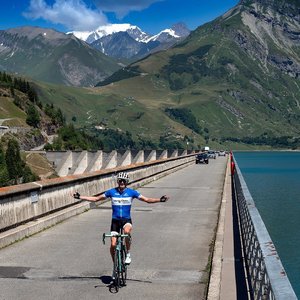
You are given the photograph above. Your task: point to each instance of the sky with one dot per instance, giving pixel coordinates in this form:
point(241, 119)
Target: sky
point(151, 16)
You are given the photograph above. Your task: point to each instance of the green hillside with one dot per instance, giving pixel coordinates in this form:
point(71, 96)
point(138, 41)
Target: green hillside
point(51, 56)
point(238, 75)
point(232, 81)
point(105, 109)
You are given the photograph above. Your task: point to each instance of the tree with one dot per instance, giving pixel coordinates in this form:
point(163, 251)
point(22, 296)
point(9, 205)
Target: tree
point(32, 95)
point(60, 118)
point(4, 177)
point(12, 91)
point(13, 160)
point(28, 175)
point(33, 117)
point(2, 156)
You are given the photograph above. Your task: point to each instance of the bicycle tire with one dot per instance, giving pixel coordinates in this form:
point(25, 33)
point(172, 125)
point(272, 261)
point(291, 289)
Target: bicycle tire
point(117, 279)
point(124, 268)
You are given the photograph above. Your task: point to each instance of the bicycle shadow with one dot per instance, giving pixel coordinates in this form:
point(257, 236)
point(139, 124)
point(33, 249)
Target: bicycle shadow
point(108, 279)
point(110, 284)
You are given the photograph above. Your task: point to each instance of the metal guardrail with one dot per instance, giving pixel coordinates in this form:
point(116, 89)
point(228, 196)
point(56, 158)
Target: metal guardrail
point(267, 278)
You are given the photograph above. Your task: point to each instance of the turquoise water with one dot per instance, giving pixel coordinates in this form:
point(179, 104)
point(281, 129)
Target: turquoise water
point(273, 179)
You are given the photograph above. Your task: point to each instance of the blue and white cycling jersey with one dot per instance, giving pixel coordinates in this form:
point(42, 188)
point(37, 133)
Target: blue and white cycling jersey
point(121, 202)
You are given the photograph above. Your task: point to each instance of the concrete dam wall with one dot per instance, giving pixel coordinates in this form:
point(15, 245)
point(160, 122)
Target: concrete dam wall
point(26, 204)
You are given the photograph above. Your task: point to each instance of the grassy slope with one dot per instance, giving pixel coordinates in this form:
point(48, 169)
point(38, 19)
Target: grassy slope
point(8, 110)
point(135, 108)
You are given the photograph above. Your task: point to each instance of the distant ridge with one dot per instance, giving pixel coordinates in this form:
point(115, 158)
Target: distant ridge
point(129, 41)
point(52, 56)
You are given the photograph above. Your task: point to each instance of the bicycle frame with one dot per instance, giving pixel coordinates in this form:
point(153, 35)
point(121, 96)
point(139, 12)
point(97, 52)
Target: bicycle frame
point(120, 268)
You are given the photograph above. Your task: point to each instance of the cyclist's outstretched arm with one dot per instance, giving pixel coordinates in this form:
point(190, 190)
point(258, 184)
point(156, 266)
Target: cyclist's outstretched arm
point(89, 198)
point(153, 200)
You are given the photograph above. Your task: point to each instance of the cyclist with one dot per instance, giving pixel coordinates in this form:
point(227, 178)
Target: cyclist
point(121, 198)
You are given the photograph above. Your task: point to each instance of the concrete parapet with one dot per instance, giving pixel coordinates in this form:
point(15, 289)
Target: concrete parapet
point(138, 157)
point(55, 157)
point(172, 153)
point(182, 152)
point(150, 155)
point(161, 154)
point(65, 164)
point(80, 165)
point(95, 162)
point(124, 159)
point(68, 163)
point(110, 160)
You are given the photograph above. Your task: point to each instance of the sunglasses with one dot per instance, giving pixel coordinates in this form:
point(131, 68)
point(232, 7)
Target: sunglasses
point(122, 181)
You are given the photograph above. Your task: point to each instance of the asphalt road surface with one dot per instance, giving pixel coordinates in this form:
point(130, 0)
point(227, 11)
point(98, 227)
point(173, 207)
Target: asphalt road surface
point(170, 250)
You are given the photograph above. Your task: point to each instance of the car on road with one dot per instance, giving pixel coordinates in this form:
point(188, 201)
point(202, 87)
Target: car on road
point(212, 154)
point(222, 153)
point(202, 158)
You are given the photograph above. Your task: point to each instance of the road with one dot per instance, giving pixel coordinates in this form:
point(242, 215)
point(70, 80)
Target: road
point(3, 120)
point(170, 251)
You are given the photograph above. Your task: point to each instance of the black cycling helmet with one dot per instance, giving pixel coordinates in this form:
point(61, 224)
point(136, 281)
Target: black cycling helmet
point(123, 176)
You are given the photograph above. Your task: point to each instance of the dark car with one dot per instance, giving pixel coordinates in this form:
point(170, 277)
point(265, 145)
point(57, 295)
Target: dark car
point(202, 158)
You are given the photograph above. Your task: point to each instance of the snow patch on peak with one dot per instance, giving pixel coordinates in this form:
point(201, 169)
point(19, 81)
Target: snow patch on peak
point(113, 28)
point(104, 30)
point(163, 33)
point(82, 35)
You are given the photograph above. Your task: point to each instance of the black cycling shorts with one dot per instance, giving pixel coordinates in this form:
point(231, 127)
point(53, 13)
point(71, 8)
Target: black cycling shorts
point(118, 224)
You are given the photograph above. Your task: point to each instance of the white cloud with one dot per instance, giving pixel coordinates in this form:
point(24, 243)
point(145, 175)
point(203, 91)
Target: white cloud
point(73, 14)
point(122, 7)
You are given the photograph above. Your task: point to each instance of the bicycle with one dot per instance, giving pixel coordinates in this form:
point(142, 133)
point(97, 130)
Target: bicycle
point(120, 268)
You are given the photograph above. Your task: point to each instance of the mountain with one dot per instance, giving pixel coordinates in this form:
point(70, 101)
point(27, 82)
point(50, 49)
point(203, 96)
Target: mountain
point(130, 42)
point(52, 56)
point(122, 45)
point(237, 77)
point(177, 32)
point(90, 36)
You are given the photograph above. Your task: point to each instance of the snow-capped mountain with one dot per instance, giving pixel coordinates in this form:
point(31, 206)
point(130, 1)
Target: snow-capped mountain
point(90, 36)
point(177, 32)
point(129, 41)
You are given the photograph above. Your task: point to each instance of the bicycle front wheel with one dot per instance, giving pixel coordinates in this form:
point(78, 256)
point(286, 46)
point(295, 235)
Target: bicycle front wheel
point(124, 268)
point(117, 279)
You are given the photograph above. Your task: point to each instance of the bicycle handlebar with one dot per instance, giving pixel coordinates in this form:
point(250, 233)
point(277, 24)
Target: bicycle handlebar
point(113, 235)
